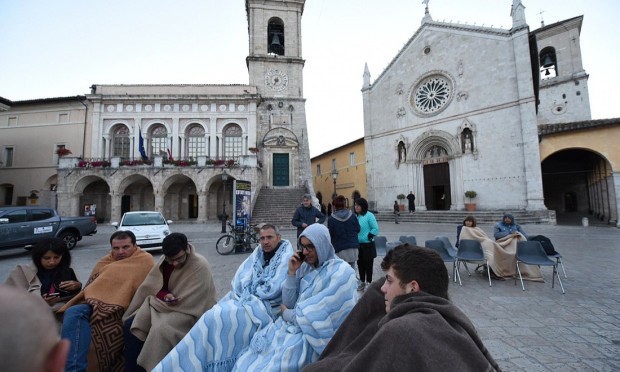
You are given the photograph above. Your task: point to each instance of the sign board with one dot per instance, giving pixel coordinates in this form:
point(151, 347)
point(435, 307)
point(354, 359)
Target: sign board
point(242, 203)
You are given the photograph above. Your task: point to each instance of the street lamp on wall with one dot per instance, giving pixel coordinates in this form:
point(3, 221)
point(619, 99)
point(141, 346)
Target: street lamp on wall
point(223, 216)
point(334, 176)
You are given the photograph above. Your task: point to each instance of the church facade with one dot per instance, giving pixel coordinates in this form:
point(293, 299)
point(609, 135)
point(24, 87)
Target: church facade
point(459, 108)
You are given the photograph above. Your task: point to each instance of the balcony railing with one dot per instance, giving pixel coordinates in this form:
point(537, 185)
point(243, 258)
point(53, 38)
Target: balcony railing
point(158, 162)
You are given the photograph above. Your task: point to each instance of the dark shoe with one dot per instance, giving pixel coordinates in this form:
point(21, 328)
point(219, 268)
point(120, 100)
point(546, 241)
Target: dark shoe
point(495, 277)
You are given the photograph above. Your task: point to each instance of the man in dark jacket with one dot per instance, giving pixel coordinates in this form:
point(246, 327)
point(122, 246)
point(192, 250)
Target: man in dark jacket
point(306, 215)
point(409, 307)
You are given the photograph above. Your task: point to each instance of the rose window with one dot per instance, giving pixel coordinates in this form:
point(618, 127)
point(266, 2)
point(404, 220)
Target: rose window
point(431, 95)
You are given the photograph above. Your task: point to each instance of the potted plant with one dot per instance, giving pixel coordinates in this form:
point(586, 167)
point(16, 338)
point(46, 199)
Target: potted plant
point(470, 194)
point(400, 198)
point(63, 151)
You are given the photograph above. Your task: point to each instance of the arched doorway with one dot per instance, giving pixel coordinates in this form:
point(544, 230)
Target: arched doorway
point(578, 183)
point(437, 179)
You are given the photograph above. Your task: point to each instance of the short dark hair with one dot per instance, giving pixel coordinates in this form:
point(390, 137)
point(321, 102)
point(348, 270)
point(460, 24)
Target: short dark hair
point(173, 244)
point(268, 226)
point(55, 245)
point(363, 203)
point(425, 266)
point(339, 202)
point(123, 234)
point(470, 218)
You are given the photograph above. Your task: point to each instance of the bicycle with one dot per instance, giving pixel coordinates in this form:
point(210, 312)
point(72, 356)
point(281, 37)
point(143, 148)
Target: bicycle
point(237, 237)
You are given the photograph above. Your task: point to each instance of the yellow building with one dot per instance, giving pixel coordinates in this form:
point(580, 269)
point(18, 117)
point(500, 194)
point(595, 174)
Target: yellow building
point(349, 161)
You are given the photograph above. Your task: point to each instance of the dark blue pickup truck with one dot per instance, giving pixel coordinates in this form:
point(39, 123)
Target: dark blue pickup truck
point(24, 226)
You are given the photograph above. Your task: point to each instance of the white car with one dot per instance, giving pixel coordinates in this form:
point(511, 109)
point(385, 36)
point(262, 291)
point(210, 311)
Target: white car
point(150, 228)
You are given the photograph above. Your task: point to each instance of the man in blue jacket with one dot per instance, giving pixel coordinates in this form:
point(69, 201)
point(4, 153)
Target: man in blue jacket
point(306, 215)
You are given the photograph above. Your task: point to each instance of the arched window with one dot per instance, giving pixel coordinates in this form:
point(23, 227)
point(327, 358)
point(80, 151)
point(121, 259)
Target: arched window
point(195, 141)
point(275, 36)
point(159, 140)
point(121, 142)
point(233, 142)
point(548, 63)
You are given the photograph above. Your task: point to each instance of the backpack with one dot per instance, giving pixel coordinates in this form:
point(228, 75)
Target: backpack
point(546, 244)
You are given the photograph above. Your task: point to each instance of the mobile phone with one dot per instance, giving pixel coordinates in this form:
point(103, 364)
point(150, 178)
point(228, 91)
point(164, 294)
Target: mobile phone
point(53, 294)
point(172, 300)
point(302, 257)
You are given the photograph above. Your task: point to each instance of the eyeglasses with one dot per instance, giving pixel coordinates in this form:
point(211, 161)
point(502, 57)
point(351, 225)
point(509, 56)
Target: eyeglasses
point(178, 260)
point(309, 247)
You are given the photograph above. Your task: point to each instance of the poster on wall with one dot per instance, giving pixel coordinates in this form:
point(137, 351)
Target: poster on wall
point(242, 202)
point(90, 209)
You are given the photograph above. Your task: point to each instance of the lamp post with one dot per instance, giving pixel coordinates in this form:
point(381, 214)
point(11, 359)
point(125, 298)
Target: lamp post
point(223, 215)
point(334, 176)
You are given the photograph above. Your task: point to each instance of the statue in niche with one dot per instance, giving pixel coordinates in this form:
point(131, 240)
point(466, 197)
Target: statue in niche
point(281, 141)
point(402, 152)
point(467, 142)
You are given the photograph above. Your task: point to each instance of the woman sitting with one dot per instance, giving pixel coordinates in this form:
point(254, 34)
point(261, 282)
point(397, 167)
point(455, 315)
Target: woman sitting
point(51, 276)
point(500, 254)
point(469, 221)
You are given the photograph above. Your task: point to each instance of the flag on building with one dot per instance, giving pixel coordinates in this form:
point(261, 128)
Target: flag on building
point(141, 144)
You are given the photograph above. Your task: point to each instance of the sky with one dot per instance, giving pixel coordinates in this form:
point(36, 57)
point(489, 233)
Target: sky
point(60, 48)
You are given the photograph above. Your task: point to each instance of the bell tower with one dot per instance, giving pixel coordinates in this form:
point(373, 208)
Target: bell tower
point(275, 67)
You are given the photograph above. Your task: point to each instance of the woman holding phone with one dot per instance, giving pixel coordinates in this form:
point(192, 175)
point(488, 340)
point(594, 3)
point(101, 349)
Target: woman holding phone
point(50, 273)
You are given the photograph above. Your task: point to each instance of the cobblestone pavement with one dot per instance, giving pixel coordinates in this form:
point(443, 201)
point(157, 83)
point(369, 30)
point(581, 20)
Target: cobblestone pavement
point(539, 329)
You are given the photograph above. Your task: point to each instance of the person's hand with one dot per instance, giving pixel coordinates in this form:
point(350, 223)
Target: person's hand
point(70, 285)
point(294, 263)
point(282, 308)
point(50, 299)
point(304, 225)
point(170, 299)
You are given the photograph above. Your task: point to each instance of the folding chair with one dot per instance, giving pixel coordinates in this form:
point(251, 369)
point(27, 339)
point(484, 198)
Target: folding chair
point(532, 253)
point(558, 260)
point(447, 245)
point(381, 245)
point(438, 246)
point(408, 239)
point(471, 251)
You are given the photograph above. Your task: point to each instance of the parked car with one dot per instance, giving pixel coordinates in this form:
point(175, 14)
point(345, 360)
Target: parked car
point(150, 228)
point(24, 226)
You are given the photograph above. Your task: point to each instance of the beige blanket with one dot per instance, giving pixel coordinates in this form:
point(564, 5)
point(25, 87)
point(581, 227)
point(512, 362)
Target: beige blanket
point(501, 254)
point(109, 290)
point(162, 325)
point(25, 277)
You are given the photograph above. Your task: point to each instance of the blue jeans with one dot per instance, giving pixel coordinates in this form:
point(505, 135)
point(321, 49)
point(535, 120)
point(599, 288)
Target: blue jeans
point(76, 328)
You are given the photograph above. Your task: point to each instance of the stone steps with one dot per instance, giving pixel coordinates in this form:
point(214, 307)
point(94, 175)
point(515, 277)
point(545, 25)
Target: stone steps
point(482, 217)
point(277, 206)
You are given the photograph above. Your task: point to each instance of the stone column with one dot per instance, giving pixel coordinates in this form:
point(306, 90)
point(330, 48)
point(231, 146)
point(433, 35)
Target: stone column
point(115, 213)
point(75, 205)
point(159, 202)
point(202, 207)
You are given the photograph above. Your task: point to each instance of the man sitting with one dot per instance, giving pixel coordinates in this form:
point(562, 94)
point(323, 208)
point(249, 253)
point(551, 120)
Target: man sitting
point(406, 322)
point(159, 316)
point(319, 293)
point(96, 312)
point(222, 333)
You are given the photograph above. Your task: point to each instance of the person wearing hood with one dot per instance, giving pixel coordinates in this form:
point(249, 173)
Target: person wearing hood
point(507, 226)
point(405, 321)
point(343, 229)
point(318, 294)
point(306, 214)
point(224, 332)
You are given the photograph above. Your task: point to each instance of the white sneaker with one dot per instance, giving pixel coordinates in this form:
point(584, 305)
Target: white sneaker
point(361, 286)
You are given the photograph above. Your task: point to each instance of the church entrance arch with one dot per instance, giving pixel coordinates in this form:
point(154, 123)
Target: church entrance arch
point(437, 186)
point(578, 183)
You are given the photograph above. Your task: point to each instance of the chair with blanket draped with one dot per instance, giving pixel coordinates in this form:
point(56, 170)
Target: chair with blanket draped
point(549, 250)
point(470, 251)
point(532, 253)
point(438, 246)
